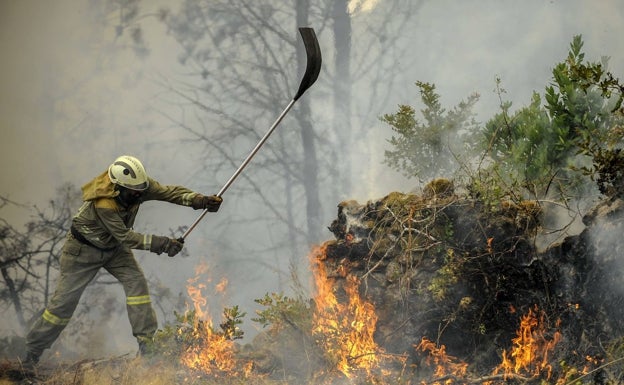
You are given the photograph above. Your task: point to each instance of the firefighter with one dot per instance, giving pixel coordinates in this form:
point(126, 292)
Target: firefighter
point(101, 236)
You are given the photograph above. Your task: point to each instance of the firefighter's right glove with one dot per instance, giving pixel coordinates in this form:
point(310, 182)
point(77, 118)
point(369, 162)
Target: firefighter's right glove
point(206, 202)
point(167, 245)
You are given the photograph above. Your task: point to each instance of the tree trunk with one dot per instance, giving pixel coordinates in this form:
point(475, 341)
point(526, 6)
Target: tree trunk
point(342, 90)
point(310, 161)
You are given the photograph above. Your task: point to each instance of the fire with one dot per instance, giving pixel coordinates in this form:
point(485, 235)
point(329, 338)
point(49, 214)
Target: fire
point(489, 245)
point(531, 348)
point(220, 288)
point(343, 328)
point(445, 366)
point(213, 353)
point(210, 352)
point(528, 358)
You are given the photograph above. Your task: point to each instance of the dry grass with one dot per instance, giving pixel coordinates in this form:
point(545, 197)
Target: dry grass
point(122, 371)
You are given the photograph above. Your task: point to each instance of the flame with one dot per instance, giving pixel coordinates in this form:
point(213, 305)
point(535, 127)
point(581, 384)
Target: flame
point(528, 357)
point(531, 348)
point(210, 352)
point(343, 329)
point(489, 245)
point(220, 288)
point(444, 365)
point(591, 363)
point(214, 354)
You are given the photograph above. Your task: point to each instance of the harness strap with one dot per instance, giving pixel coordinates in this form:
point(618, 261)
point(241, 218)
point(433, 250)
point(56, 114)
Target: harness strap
point(81, 238)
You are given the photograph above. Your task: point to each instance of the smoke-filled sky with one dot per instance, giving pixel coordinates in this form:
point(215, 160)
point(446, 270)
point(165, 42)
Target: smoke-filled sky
point(66, 80)
point(74, 96)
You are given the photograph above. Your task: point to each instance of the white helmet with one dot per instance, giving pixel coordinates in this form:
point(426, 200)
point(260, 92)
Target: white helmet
point(127, 171)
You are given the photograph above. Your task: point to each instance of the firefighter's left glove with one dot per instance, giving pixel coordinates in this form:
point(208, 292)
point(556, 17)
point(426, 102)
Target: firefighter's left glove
point(171, 246)
point(206, 202)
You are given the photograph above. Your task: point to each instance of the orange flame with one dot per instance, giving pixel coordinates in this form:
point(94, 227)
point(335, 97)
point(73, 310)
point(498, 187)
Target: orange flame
point(220, 288)
point(531, 348)
point(344, 330)
point(214, 355)
point(211, 353)
point(444, 365)
point(529, 356)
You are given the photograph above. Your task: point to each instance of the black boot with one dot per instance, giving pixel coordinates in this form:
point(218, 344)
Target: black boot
point(142, 349)
point(146, 346)
point(31, 360)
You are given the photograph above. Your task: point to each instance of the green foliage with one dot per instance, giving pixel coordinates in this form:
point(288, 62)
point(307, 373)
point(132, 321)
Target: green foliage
point(523, 147)
point(546, 148)
point(232, 319)
point(446, 276)
point(426, 149)
point(588, 102)
point(490, 188)
point(189, 331)
point(281, 311)
point(537, 147)
point(170, 341)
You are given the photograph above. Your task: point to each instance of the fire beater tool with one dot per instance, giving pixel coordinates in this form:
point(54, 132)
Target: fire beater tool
point(313, 68)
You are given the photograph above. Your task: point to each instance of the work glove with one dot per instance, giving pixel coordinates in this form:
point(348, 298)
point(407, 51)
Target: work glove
point(206, 202)
point(171, 246)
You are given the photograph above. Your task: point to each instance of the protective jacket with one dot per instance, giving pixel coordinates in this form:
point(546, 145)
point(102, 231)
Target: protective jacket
point(106, 223)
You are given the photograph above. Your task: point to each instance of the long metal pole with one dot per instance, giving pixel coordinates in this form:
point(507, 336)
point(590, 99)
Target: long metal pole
point(313, 68)
point(242, 166)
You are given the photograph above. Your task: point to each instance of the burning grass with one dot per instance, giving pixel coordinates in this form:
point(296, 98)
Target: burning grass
point(527, 360)
point(341, 325)
point(432, 289)
point(344, 329)
point(531, 348)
